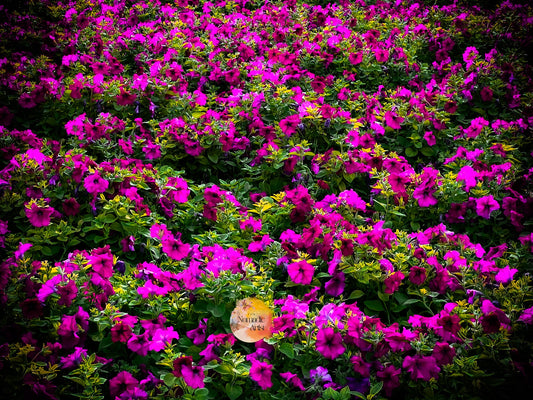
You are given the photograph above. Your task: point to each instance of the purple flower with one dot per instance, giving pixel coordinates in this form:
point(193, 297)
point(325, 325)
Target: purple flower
point(424, 194)
point(198, 335)
point(417, 275)
point(122, 382)
point(335, 286)
point(421, 367)
point(505, 275)
point(102, 264)
point(393, 281)
point(486, 205)
point(139, 344)
point(292, 379)
point(329, 343)
point(527, 316)
point(74, 360)
point(468, 175)
point(67, 293)
point(95, 184)
point(443, 353)
point(392, 120)
point(261, 372)
point(320, 374)
point(39, 216)
point(193, 376)
point(390, 377)
point(23, 248)
point(71, 207)
point(301, 272)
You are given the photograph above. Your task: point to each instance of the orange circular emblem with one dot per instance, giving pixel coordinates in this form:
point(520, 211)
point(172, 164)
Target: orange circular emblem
point(251, 320)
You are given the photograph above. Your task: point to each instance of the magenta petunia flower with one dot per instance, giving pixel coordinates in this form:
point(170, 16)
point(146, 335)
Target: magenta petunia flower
point(301, 272)
point(486, 205)
point(139, 344)
point(31, 308)
point(424, 195)
point(121, 332)
point(261, 372)
point(152, 151)
point(335, 286)
point(355, 58)
point(69, 331)
point(288, 125)
point(197, 335)
point(382, 55)
point(443, 353)
point(329, 343)
point(179, 364)
point(390, 377)
point(393, 120)
point(102, 264)
point(67, 293)
point(23, 248)
point(175, 249)
point(421, 367)
point(468, 175)
point(417, 275)
point(39, 216)
point(163, 337)
point(122, 382)
point(393, 281)
point(292, 379)
point(429, 136)
point(125, 98)
point(71, 207)
point(527, 316)
point(486, 93)
point(505, 275)
point(95, 184)
point(193, 376)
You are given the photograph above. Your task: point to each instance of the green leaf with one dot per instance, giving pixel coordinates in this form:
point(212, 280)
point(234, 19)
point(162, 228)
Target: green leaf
point(287, 349)
point(201, 394)
point(410, 152)
point(383, 297)
point(375, 389)
point(233, 391)
point(356, 294)
point(374, 305)
point(169, 379)
point(213, 157)
point(427, 151)
point(217, 310)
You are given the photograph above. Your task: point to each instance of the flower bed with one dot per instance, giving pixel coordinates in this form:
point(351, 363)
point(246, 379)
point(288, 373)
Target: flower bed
point(364, 168)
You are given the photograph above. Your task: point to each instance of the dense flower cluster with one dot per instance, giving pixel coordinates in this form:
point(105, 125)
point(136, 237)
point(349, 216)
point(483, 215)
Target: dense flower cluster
point(363, 167)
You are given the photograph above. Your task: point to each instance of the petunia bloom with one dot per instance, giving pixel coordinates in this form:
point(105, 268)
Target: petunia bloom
point(329, 343)
point(486, 205)
point(122, 382)
point(301, 272)
point(527, 316)
point(292, 379)
point(392, 120)
point(505, 275)
point(193, 376)
point(421, 367)
point(175, 248)
point(261, 372)
point(95, 184)
point(39, 216)
point(417, 275)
